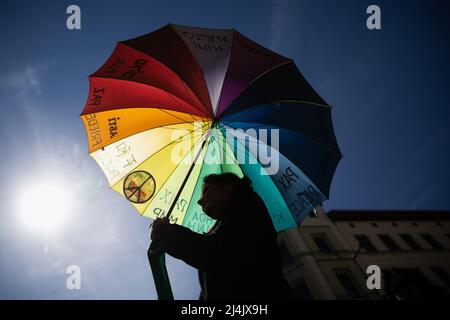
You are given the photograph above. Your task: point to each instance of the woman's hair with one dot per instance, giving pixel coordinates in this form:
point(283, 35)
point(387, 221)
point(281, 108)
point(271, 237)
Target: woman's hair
point(239, 184)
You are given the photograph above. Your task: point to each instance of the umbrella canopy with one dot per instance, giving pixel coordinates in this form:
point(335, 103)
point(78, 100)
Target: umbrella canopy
point(179, 94)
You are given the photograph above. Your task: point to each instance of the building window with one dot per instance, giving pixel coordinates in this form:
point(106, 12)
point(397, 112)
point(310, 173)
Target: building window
point(442, 274)
point(348, 283)
point(286, 257)
point(365, 243)
point(431, 241)
point(323, 243)
point(301, 292)
point(389, 242)
point(410, 241)
point(407, 284)
point(374, 225)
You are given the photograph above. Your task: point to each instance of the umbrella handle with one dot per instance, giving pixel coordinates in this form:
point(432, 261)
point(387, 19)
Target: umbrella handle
point(157, 260)
point(156, 255)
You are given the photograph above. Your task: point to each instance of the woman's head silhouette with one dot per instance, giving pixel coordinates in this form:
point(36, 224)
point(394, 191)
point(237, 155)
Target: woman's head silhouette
point(219, 189)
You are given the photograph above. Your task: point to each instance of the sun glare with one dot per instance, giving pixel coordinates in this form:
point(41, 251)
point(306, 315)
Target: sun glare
point(44, 206)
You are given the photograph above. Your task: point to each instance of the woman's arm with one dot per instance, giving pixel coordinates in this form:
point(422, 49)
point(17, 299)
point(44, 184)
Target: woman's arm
point(203, 252)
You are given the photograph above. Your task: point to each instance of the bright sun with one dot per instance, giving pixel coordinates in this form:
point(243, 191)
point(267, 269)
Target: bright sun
point(44, 206)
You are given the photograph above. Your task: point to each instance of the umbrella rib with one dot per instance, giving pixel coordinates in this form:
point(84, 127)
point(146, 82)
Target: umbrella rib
point(205, 111)
point(227, 70)
point(113, 108)
point(260, 124)
point(234, 121)
point(146, 129)
point(268, 70)
point(173, 98)
point(198, 177)
point(171, 173)
point(187, 176)
point(183, 136)
point(166, 111)
point(202, 112)
point(335, 152)
point(302, 101)
point(258, 104)
point(157, 87)
point(271, 179)
point(211, 112)
point(298, 167)
point(225, 141)
point(208, 112)
point(257, 77)
point(189, 114)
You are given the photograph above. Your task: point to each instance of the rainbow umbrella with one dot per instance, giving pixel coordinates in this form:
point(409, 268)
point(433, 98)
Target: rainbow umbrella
point(174, 105)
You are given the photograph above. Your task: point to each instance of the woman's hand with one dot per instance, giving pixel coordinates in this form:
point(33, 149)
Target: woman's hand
point(160, 228)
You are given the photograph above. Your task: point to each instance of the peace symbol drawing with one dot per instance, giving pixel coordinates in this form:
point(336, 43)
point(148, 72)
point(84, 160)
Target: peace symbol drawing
point(139, 186)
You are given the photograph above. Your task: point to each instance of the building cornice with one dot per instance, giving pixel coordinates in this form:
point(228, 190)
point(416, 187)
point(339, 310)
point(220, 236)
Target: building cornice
point(389, 215)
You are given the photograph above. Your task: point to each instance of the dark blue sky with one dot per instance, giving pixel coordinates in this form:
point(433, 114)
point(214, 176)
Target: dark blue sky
point(389, 89)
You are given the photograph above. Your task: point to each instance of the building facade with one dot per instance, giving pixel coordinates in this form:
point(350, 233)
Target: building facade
point(327, 257)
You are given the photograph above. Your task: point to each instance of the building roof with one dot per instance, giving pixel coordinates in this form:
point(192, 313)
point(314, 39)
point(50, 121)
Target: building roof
point(389, 215)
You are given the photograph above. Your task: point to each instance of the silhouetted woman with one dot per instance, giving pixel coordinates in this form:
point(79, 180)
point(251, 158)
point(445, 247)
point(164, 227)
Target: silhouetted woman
point(239, 257)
